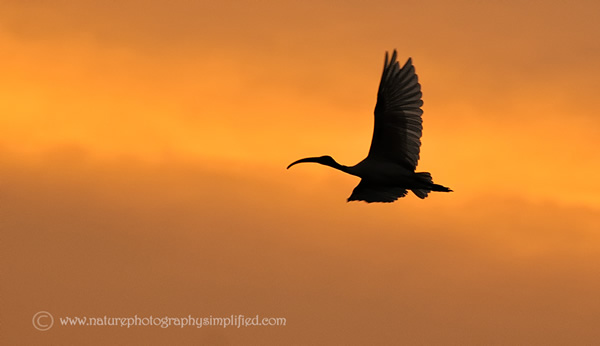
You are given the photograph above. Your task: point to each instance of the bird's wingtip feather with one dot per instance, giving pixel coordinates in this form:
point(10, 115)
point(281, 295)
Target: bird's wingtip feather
point(394, 56)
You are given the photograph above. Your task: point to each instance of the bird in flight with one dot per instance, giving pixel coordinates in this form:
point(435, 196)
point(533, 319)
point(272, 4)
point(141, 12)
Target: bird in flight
point(388, 171)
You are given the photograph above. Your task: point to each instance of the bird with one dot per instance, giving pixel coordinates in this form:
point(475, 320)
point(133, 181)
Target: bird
point(389, 169)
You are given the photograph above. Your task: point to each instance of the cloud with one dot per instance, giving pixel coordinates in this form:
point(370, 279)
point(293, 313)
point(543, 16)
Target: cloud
point(180, 237)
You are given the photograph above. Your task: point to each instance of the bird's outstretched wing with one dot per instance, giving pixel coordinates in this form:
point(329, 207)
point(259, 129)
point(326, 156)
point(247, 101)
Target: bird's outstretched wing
point(398, 124)
point(367, 192)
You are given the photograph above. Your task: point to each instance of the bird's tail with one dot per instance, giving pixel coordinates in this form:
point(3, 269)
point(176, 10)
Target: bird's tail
point(425, 177)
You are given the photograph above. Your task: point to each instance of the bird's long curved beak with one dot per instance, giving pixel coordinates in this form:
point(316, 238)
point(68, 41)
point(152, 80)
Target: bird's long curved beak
point(307, 159)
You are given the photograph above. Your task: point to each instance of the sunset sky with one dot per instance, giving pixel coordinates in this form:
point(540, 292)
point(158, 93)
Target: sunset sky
point(143, 147)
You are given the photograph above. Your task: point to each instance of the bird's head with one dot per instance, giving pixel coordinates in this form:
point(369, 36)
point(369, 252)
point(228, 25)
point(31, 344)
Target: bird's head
point(324, 160)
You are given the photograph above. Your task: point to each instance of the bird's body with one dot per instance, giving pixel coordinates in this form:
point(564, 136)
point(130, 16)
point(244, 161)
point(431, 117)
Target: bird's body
point(381, 172)
point(389, 169)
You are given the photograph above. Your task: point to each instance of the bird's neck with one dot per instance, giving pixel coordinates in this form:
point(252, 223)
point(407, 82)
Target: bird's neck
point(342, 168)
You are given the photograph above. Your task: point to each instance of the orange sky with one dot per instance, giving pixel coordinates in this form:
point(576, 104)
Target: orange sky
point(143, 147)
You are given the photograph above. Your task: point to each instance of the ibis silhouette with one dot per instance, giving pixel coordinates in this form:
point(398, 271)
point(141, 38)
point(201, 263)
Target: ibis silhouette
point(388, 171)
